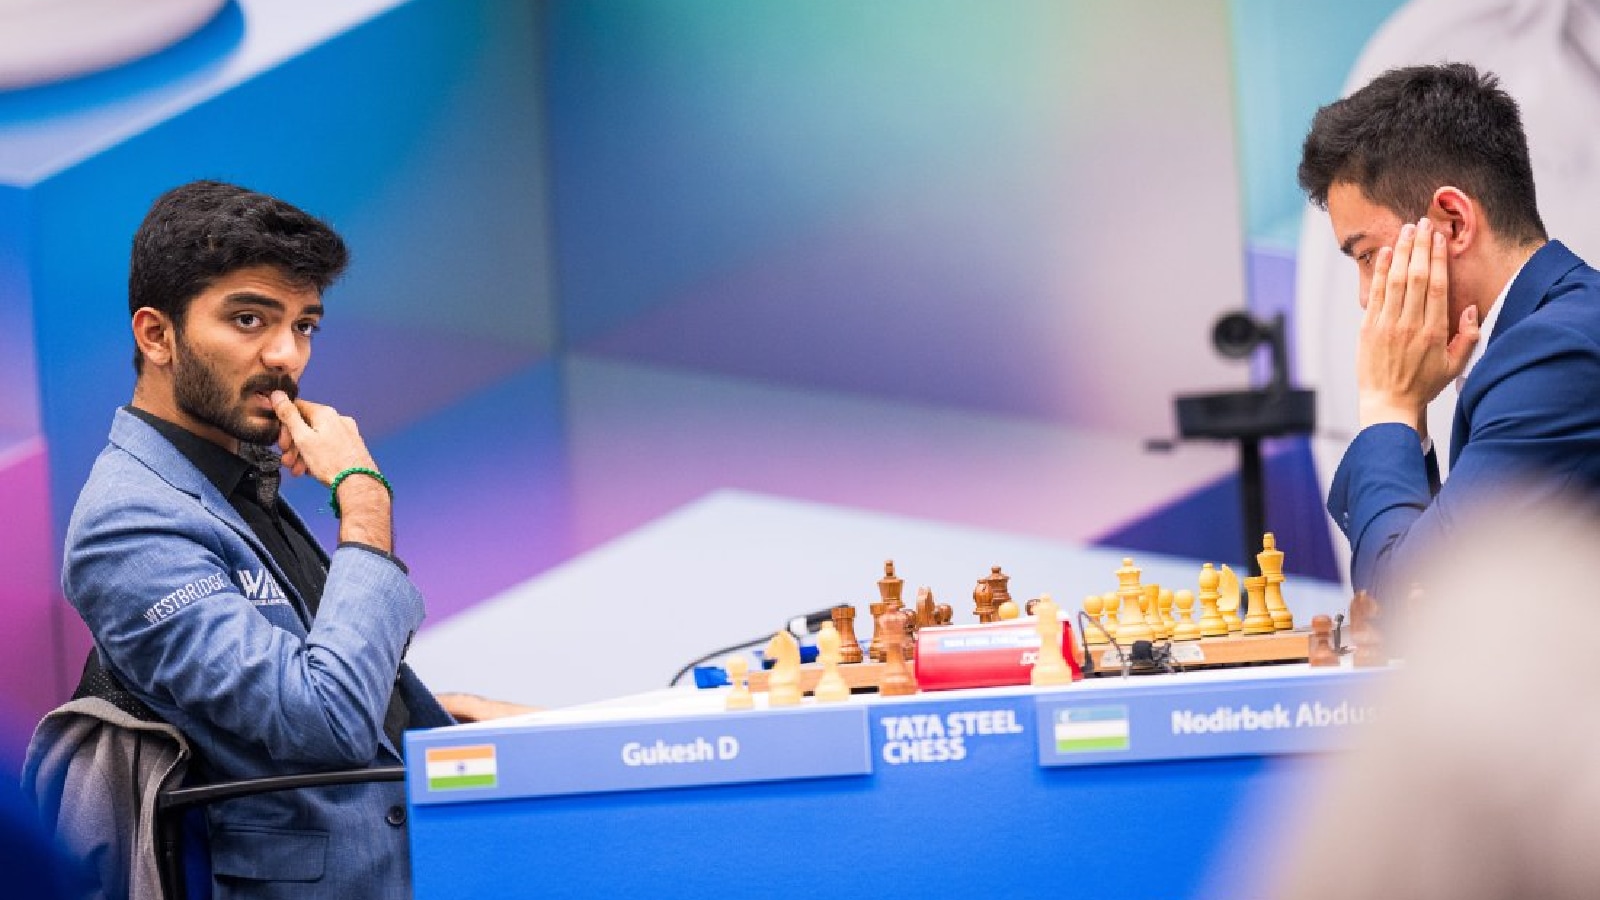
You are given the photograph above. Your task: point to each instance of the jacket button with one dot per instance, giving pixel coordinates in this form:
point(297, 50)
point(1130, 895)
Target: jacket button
point(396, 816)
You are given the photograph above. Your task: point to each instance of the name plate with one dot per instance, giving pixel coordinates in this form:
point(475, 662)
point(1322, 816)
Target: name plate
point(472, 765)
point(1308, 715)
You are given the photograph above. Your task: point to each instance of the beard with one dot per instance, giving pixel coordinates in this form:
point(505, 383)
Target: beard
point(201, 394)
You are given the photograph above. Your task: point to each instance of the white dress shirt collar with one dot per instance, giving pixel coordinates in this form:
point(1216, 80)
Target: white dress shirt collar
point(1487, 328)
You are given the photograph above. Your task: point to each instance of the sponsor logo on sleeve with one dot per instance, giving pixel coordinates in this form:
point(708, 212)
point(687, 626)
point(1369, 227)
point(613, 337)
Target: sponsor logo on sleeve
point(171, 604)
point(261, 588)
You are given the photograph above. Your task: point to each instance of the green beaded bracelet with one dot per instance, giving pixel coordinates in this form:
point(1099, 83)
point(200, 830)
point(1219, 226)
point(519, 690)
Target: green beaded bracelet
point(333, 486)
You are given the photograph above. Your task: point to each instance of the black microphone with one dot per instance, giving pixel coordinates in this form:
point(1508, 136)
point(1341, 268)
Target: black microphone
point(802, 625)
point(1143, 655)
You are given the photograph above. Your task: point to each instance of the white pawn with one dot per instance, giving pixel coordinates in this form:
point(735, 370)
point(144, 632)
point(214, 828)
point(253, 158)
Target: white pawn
point(1185, 629)
point(1094, 604)
point(739, 673)
point(1212, 624)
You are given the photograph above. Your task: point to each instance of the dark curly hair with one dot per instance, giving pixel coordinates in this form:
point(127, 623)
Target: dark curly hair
point(203, 230)
point(1413, 130)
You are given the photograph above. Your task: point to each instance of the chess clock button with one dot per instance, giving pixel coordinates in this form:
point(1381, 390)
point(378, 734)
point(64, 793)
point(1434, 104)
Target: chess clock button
point(396, 816)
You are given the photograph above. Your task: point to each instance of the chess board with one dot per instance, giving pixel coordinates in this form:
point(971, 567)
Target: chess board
point(862, 676)
point(1206, 653)
point(1171, 620)
point(1234, 650)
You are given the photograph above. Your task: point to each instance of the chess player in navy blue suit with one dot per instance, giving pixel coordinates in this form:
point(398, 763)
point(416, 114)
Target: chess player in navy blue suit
point(1426, 178)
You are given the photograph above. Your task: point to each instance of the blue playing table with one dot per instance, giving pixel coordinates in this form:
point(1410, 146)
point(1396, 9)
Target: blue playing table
point(1159, 786)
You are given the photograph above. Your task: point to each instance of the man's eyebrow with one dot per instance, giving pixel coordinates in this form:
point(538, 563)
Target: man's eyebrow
point(1349, 245)
point(251, 298)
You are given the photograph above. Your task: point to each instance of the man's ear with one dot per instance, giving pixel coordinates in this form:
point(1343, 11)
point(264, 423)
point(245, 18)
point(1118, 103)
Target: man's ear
point(1457, 217)
point(154, 335)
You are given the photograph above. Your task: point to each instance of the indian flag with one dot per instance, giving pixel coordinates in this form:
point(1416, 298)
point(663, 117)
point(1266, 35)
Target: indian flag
point(453, 768)
point(1091, 729)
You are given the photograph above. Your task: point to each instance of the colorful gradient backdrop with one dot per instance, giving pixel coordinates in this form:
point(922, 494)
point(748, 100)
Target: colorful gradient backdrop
point(935, 258)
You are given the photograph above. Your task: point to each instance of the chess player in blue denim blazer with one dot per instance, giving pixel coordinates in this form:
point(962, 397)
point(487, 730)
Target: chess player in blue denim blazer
point(204, 614)
point(1426, 178)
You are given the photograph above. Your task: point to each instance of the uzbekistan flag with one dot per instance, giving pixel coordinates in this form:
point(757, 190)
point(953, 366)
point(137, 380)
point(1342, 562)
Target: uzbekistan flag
point(1091, 729)
point(452, 768)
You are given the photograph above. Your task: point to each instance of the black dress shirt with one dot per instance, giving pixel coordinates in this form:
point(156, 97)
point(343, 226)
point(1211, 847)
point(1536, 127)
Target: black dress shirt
point(291, 547)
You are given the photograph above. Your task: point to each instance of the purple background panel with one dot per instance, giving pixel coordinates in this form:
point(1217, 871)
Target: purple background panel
point(481, 492)
point(34, 620)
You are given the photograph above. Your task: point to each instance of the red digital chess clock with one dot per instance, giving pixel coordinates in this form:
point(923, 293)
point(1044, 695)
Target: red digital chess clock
point(990, 655)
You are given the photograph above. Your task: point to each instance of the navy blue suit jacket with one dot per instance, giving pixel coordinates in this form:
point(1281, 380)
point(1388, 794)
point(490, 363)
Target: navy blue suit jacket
point(1527, 430)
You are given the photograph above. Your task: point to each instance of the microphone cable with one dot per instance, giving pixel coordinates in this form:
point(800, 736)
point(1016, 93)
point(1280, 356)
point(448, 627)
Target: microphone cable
point(799, 626)
point(1084, 619)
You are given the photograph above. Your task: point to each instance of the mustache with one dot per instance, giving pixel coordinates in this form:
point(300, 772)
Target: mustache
point(266, 384)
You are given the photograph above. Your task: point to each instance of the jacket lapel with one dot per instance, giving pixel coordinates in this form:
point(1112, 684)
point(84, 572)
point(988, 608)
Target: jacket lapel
point(154, 451)
point(147, 445)
point(1548, 265)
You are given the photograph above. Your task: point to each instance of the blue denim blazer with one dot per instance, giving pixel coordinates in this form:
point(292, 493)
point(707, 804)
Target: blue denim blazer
point(190, 612)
